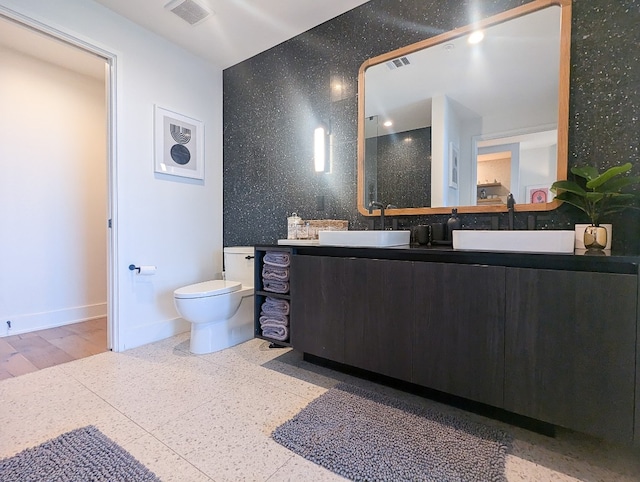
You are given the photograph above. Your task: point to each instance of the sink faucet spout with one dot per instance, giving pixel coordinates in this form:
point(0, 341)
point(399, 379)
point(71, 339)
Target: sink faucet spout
point(375, 204)
point(511, 204)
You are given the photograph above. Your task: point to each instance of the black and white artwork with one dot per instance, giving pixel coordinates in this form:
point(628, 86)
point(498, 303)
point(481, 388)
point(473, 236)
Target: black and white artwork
point(179, 144)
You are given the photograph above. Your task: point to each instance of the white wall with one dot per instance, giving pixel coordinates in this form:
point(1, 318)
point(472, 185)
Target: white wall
point(173, 224)
point(538, 167)
point(54, 195)
point(445, 129)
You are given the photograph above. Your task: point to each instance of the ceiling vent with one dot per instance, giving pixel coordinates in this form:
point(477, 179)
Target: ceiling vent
point(397, 63)
point(190, 11)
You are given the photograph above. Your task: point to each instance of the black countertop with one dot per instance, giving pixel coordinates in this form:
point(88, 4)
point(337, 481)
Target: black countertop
point(579, 261)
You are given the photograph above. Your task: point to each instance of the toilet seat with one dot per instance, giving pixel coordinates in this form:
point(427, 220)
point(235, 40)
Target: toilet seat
point(207, 288)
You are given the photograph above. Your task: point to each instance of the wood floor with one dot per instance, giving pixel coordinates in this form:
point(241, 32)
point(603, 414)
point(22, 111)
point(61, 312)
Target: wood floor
point(29, 352)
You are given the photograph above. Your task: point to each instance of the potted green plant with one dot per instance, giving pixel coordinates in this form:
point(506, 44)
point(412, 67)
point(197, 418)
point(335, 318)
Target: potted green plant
point(598, 194)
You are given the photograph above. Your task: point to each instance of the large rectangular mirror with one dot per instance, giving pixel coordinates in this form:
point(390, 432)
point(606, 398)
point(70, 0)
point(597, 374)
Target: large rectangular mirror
point(449, 123)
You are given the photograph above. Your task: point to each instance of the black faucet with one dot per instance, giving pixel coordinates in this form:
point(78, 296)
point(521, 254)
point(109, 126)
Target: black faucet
point(376, 204)
point(511, 204)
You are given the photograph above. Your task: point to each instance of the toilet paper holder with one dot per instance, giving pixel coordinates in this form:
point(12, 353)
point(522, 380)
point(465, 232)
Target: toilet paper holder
point(145, 270)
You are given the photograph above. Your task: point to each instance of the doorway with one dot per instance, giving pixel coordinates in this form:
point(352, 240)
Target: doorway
point(70, 278)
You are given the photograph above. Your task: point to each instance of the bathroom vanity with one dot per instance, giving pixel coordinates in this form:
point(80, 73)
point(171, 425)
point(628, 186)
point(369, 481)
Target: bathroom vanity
point(550, 337)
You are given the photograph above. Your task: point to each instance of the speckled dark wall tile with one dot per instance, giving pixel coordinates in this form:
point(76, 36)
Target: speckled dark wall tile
point(404, 179)
point(273, 101)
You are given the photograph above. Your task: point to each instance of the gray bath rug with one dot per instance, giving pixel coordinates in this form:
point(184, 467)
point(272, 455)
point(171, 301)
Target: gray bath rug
point(363, 435)
point(84, 454)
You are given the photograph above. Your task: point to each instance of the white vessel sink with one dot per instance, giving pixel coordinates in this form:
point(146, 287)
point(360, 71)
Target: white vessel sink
point(554, 241)
point(367, 239)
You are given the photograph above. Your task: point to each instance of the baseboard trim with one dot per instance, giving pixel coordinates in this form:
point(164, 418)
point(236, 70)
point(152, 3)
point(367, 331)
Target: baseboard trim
point(51, 319)
point(151, 332)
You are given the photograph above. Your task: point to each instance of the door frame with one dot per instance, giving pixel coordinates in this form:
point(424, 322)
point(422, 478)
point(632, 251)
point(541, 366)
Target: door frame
point(111, 78)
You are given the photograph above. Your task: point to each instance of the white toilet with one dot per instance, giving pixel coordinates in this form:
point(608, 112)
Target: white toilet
point(220, 311)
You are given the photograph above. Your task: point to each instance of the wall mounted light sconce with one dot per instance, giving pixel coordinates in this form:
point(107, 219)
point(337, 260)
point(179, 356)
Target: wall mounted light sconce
point(322, 148)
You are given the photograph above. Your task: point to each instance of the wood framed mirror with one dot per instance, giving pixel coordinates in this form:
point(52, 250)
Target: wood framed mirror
point(446, 123)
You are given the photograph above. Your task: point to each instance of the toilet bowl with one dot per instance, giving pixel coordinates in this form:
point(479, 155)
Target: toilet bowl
point(220, 311)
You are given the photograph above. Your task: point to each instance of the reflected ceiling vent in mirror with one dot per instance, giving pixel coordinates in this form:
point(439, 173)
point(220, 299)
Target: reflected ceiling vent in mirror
point(397, 63)
point(190, 11)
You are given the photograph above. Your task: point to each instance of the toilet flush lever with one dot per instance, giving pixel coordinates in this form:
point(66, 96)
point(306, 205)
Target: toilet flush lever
point(249, 257)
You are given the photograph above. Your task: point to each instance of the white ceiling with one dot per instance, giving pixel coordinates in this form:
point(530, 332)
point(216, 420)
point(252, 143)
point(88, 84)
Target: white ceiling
point(514, 70)
point(239, 29)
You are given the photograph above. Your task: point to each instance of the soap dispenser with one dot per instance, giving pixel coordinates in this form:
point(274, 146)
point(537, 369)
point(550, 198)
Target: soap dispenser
point(453, 223)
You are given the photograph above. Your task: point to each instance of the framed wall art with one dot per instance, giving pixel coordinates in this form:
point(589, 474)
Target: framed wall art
point(454, 154)
point(179, 144)
point(539, 194)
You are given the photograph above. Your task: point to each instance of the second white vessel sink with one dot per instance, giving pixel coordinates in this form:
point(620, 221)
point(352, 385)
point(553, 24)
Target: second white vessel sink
point(365, 239)
point(552, 241)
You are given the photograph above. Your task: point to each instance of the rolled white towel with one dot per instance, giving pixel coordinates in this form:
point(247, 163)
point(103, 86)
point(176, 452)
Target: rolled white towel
point(275, 272)
point(275, 306)
point(276, 286)
point(277, 258)
point(266, 319)
point(275, 331)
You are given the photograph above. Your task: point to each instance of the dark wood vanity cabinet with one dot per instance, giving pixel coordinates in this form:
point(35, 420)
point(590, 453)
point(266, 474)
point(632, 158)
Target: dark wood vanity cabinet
point(318, 304)
point(459, 330)
point(556, 345)
point(570, 349)
point(404, 320)
point(378, 329)
point(375, 332)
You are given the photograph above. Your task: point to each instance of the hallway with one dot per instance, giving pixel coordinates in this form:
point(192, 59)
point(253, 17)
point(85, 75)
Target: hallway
point(30, 352)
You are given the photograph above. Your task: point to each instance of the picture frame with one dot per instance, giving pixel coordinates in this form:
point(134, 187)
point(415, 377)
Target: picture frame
point(454, 155)
point(539, 194)
point(179, 144)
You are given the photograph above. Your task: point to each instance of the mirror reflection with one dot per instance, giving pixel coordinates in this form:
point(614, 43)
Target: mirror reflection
point(449, 123)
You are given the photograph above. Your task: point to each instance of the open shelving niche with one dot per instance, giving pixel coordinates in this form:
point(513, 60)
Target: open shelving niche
point(260, 294)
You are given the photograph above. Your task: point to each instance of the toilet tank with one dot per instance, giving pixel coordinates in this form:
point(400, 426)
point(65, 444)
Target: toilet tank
point(238, 264)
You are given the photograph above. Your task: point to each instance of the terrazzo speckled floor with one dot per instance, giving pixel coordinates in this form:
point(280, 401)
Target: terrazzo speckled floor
point(203, 418)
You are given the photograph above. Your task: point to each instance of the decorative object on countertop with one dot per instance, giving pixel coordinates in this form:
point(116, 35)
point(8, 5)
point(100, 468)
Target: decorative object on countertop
point(579, 236)
point(316, 225)
point(453, 223)
point(598, 194)
point(364, 435)
point(423, 234)
point(439, 233)
point(298, 228)
point(293, 222)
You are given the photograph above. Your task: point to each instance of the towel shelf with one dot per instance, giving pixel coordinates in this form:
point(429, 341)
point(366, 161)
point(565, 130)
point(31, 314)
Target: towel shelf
point(260, 294)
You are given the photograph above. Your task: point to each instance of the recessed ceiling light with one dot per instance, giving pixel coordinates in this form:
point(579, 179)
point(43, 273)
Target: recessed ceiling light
point(476, 37)
point(388, 124)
